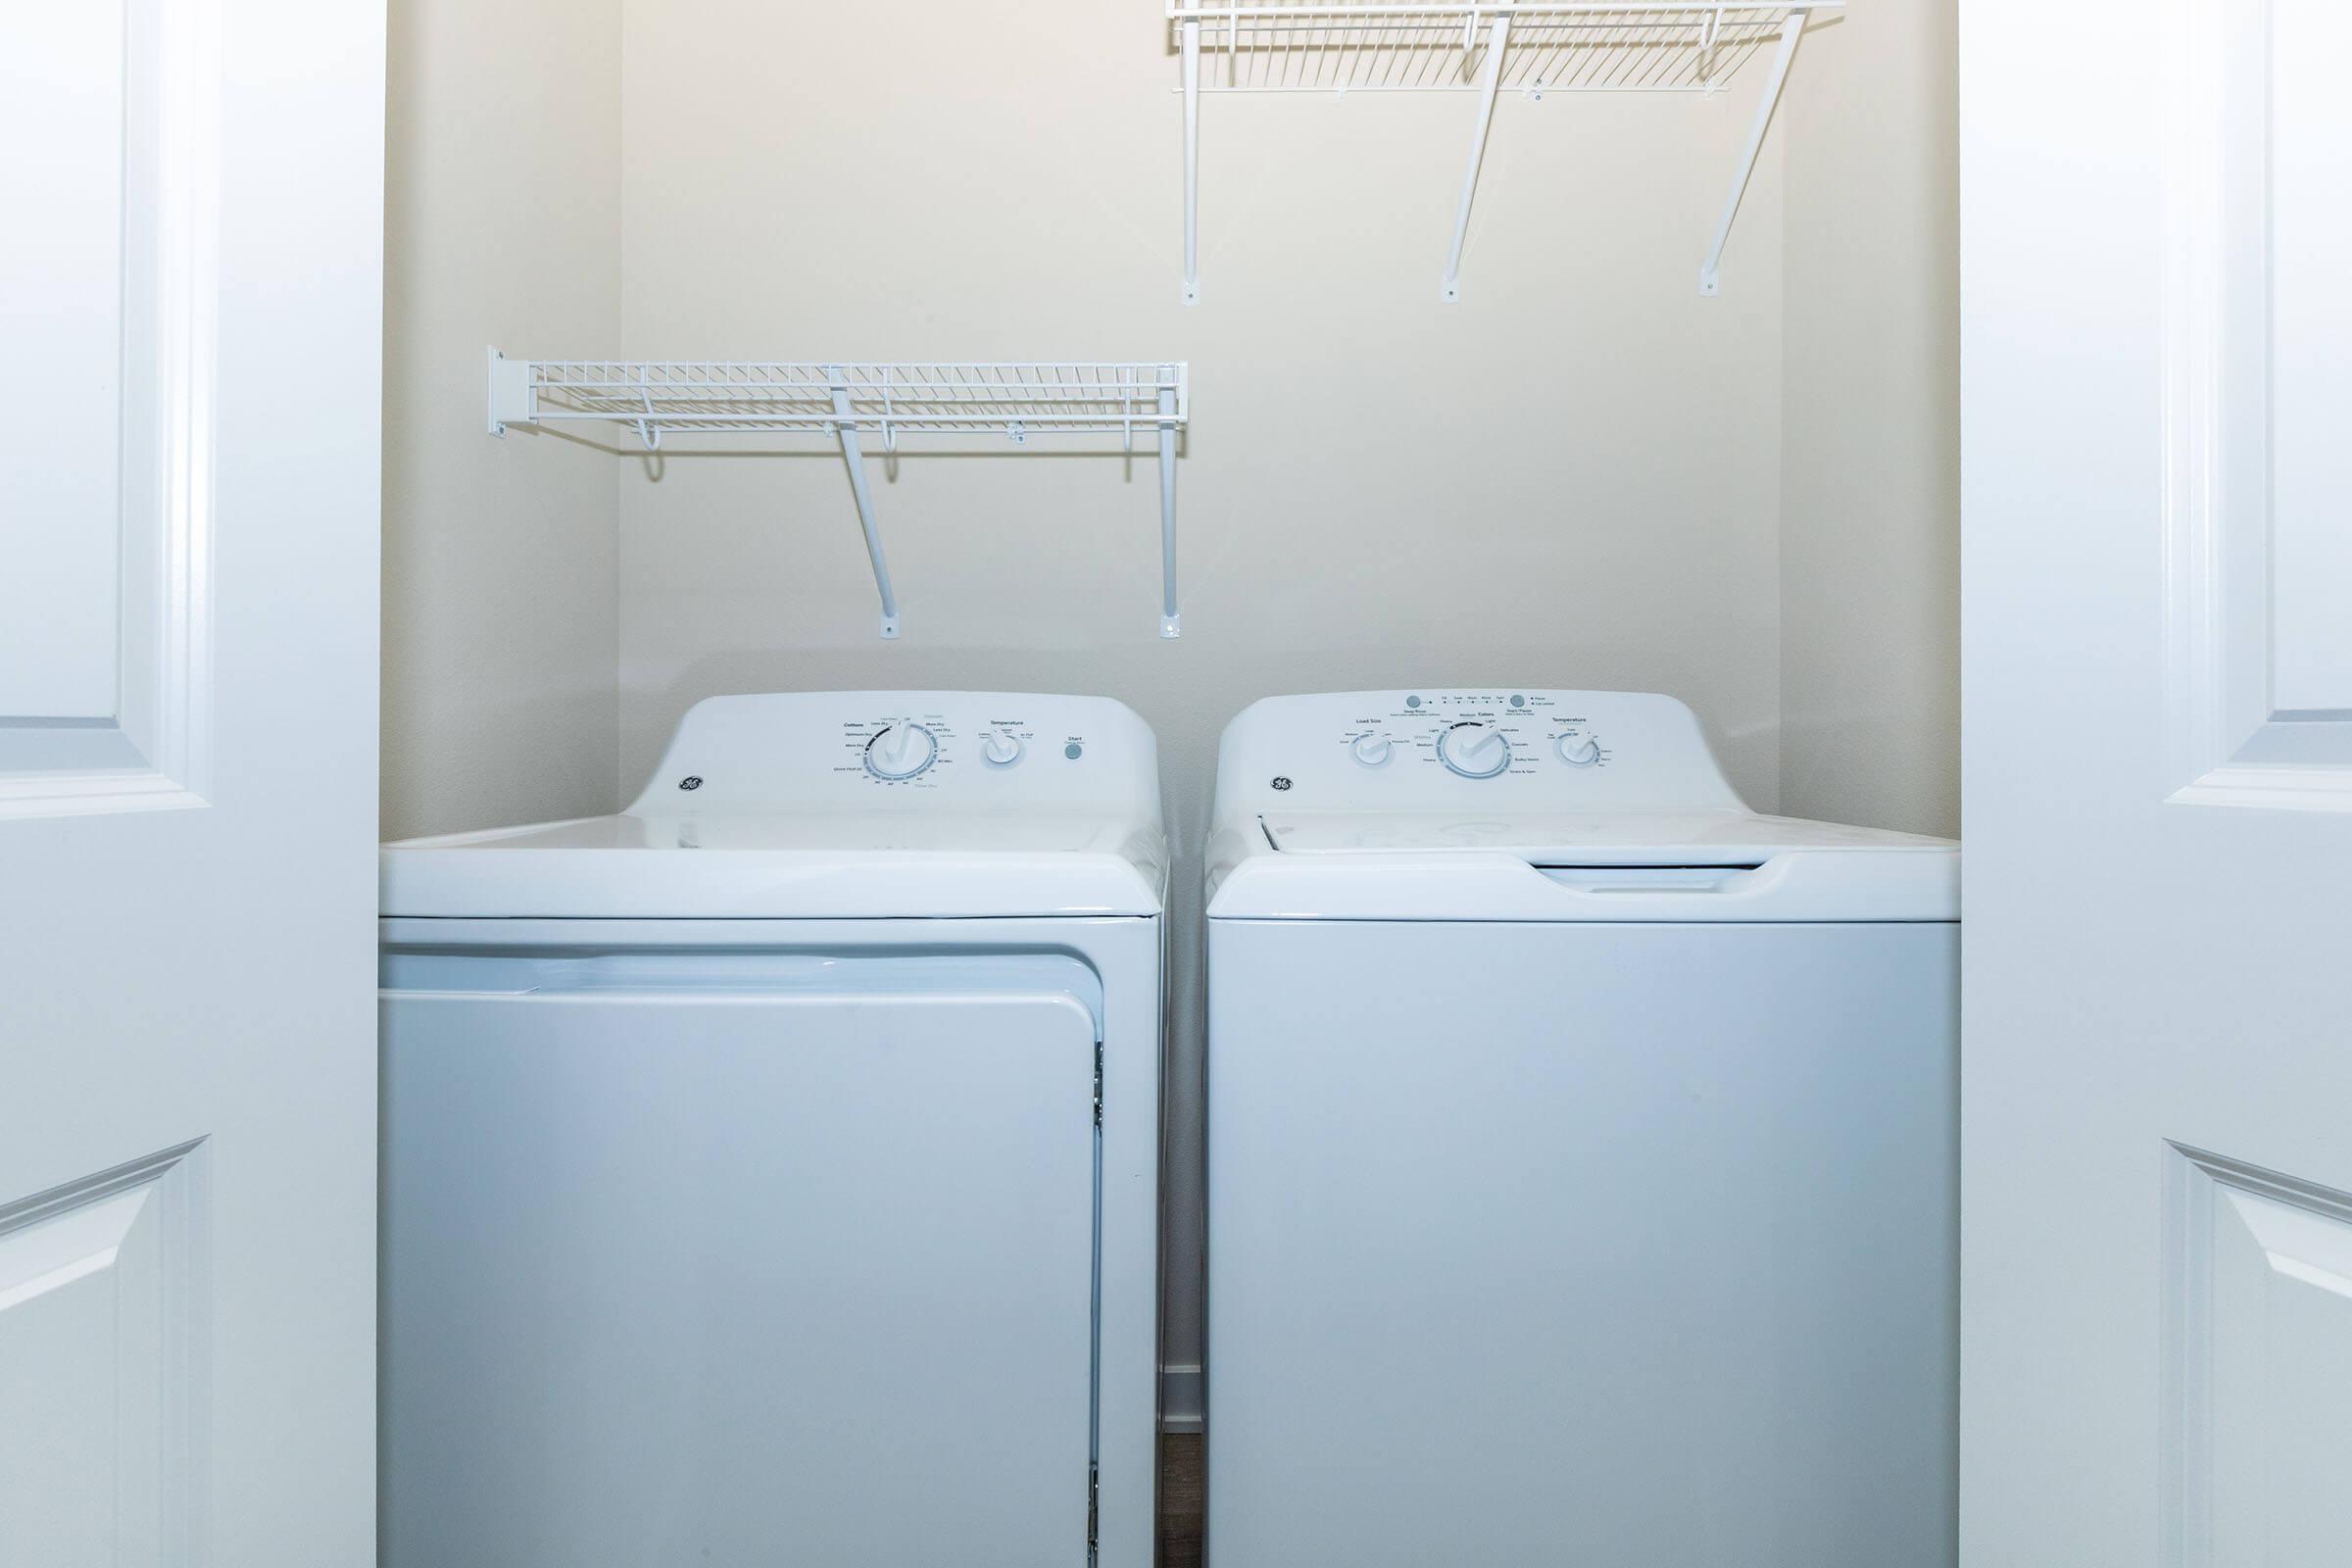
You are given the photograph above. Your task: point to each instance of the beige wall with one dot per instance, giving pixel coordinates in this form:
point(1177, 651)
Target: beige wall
point(1870, 415)
point(1569, 478)
point(502, 226)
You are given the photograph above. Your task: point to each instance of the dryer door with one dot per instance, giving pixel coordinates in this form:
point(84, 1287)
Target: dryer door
point(682, 1276)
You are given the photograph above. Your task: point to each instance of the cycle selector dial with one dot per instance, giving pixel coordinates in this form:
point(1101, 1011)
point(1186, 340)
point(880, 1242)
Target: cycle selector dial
point(899, 750)
point(1001, 749)
point(1580, 750)
point(1474, 749)
point(1372, 748)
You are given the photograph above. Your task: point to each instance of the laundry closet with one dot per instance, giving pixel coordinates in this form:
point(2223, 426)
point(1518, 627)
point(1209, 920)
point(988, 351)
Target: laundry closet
point(1126, 782)
point(1559, 453)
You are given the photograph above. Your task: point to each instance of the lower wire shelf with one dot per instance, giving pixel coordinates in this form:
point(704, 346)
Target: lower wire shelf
point(847, 402)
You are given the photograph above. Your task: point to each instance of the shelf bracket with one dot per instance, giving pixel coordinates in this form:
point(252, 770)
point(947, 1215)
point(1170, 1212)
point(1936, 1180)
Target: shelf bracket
point(1793, 32)
point(845, 431)
point(1170, 623)
point(1490, 77)
point(511, 398)
point(1192, 163)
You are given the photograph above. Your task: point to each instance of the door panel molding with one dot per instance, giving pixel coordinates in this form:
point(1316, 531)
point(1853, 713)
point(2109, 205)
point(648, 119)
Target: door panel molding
point(100, 1320)
point(155, 751)
point(2257, 1341)
point(2234, 742)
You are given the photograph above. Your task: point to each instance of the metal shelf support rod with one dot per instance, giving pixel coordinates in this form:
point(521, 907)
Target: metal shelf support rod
point(1498, 37)
point(1793, 32)
point(845, 428)
point(1170, 623)
point(1192, 163)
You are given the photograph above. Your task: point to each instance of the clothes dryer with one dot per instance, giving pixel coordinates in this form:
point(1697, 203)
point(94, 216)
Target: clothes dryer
point(770, 1170)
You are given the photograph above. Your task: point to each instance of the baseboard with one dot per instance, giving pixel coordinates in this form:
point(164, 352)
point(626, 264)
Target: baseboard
point(1180, 1407)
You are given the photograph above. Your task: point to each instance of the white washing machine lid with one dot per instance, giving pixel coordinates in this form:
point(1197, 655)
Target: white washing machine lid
point(1699, 866)
point(1527, 803)
point(763, 808)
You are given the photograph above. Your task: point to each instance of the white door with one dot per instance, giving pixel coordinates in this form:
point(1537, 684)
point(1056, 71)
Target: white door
point(2157, 1052)
point(190, 285)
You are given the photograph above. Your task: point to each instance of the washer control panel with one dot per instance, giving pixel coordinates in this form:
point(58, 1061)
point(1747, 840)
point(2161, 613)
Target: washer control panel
point(833, 751)
point(1445, 747)
point(1477, 735)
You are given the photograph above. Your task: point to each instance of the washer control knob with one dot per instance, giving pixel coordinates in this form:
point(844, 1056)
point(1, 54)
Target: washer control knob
point(1474, 749)
point(1372, 748)
point(1579, 751)
point(900, 750)
point(1001, 749)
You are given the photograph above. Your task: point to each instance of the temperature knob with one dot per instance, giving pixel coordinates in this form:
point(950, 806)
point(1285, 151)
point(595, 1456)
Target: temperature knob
point(900, 750)
point(1001, 749)
point(1474, 749)
point(1579, 751)
point(1372, 748)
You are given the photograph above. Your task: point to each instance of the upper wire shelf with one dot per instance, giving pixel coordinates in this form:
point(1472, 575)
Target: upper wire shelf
point(1554, 46)
point(846, 401)
point(1529, 47)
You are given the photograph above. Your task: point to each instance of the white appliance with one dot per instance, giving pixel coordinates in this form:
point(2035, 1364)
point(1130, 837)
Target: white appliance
point(1581, 1149)
point(770, 1171)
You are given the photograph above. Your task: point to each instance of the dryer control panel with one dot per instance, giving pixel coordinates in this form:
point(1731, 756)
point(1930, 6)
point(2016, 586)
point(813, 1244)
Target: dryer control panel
point(947, 751)
point(1442, 748)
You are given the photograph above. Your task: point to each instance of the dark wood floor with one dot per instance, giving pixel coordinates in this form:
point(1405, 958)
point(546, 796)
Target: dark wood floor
point(1180, 1499)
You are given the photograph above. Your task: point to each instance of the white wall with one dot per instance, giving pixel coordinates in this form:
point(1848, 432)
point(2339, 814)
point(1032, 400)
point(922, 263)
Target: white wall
point(502, 226)
point(1569, 478)
point(1870, 415)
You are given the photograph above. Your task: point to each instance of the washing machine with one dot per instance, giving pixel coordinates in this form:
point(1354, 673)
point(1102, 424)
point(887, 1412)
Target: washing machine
point(1582, 1151)
point(770, 1170)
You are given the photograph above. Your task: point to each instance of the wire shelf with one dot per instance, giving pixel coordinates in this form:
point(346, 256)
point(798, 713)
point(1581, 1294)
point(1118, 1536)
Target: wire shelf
point(844, 401)
point(751, 398)
point(1675, 46)
point(1529, 47)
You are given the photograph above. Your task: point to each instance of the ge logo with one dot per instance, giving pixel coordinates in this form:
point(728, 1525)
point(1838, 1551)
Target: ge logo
point(690, 782)
point(1281, 783)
